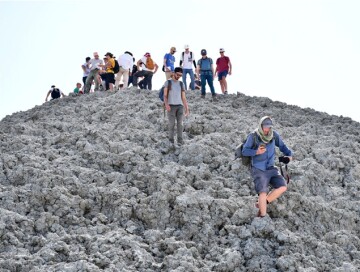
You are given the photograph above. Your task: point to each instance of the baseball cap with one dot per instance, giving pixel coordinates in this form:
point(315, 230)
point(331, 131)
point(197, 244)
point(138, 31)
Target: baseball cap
point(203, 52)
point(186, 46)
point(222, 50)
point(109, 54)
point(267, 123)
point(147, 54)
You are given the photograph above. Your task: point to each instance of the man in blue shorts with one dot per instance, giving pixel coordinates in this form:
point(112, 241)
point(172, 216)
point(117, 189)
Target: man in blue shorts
point(263, 169)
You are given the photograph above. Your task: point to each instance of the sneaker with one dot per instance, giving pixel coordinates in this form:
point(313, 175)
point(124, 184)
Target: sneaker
point(180, 142)
point(214, 97)
point(203, 96)
point(225, 92)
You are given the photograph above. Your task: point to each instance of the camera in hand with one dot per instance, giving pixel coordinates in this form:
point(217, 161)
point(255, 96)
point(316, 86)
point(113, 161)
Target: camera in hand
point(283, 159)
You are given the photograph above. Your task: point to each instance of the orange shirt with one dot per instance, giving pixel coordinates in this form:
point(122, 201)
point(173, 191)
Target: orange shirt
point(110, 66)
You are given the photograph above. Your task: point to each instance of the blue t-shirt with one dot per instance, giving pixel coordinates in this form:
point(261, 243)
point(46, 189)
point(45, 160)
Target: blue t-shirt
point(170, 61)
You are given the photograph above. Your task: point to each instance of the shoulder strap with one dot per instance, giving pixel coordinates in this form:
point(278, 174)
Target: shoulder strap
point(182, 54)
point(254, 140)
point(181, 85)
point(191, 54)
point(169, 85)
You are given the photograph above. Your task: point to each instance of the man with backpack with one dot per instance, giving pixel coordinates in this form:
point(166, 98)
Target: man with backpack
point(223, 68)
point(175, 102)
point(126, 64)
point(55, 93)
point(186, 62)
point(149, 68)
point(205, 69)
point(260, 146)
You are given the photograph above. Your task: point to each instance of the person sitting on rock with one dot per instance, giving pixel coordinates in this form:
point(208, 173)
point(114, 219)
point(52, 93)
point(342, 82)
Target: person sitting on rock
point(175, 102)
point(263, 168)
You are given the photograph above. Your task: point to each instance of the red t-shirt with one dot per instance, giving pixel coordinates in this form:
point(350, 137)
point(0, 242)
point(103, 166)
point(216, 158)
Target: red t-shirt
point(222, 64)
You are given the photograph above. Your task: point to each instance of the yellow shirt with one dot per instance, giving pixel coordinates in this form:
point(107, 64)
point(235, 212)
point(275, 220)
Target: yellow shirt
point(110, 66)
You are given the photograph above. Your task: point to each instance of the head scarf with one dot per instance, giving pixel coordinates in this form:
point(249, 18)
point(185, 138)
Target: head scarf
point(259, 131)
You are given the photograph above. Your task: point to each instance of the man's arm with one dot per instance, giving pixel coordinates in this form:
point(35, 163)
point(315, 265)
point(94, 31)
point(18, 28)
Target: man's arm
point(186, 106)
point(166, 69)
point(282, 146)
point(156, 68)
point(47, 96)
point(230, 67)
point(166, 93)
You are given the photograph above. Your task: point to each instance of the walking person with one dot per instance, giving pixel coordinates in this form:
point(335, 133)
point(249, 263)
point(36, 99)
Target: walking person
point(186, 62)
point(94, 73)
point(175, 102)
point(205, 69)
point(169, 63)
point(223, 68)
point(260, 146)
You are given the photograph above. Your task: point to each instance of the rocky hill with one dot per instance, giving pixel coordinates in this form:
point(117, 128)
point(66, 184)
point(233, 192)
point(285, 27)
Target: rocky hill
point(90, 183)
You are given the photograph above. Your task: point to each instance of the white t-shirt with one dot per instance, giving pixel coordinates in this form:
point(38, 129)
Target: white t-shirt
point(94, 63)
point(126, 61)
point(187, 60)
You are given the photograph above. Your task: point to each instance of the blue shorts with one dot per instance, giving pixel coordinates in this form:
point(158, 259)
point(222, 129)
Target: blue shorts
point(263, 179)
point(222, 74)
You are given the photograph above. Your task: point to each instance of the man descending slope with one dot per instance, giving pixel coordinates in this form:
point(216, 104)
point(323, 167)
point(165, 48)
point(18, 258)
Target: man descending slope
point(175, 102)
point(263, 170)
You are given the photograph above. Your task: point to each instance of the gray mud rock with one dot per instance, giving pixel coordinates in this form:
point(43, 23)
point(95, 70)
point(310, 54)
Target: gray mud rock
point(90, 183)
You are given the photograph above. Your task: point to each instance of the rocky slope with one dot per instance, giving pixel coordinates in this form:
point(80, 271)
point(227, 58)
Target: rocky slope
point(90, 183)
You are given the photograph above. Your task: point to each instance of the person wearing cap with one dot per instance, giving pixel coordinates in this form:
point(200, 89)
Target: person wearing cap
point(263, 169)
point(55, 93)
point(109, 76)
point(169, 63)
point(205, 69)
point(175, 102)
point(186, 62)
point(223, 68)
point(146, 71)
point(126, 64)
point(94, 73)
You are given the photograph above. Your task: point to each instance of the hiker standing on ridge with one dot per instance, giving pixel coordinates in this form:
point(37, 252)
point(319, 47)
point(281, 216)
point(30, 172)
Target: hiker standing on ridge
point(175, 102)
point(186, 62)
point(94, 72)
point(205, 69)
point(169, 62)
point(223, 68)
point(263, 170)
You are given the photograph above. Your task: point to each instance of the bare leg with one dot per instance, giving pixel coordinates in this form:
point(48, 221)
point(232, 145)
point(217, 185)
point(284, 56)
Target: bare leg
point(274, 194)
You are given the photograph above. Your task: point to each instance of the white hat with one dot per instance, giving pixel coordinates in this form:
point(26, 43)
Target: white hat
point(186, 46)
point(222, 50)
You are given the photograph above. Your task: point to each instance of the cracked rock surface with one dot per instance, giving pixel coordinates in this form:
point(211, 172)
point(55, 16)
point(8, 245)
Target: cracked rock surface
point(90, 183)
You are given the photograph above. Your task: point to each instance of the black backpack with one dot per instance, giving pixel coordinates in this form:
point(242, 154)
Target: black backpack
point(55, 93)
point(238, 151)
point(116, 67)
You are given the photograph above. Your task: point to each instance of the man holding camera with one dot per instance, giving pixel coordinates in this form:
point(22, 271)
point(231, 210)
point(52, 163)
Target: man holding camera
point(263, 170)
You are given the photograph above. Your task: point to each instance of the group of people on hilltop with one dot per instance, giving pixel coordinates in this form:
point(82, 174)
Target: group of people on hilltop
point(259, 145)
point(107, 73)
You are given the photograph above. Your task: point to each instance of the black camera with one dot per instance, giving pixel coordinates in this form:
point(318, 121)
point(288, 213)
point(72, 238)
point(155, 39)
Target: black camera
point(283, 159)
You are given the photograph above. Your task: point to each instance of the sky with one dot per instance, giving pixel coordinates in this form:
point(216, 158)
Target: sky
point(301, 52)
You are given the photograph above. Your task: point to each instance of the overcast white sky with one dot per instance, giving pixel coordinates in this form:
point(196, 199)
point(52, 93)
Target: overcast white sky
point(302, 52)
